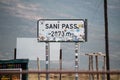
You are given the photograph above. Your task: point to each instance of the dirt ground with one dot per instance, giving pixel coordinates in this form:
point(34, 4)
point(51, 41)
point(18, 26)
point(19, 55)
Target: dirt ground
point(69, 77)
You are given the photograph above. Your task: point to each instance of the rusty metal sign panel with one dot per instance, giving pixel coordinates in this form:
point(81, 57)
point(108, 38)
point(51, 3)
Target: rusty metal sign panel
point(62, 30)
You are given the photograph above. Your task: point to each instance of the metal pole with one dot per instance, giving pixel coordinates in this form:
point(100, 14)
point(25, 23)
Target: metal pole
point(106, 39)
point(15, 53)
point(76, 59)
point(89, 66)
point(96, 57)
point(38, 65)
point(60, 63)
point(92, 66)
point(47, 60)
point(104, 64)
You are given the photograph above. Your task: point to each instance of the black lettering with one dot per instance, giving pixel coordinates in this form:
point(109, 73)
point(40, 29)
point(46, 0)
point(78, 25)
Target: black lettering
point(59, 33)
point(63, 26)
point(46, 26)
point(71, 26)
point(67, 26)
point(52, 26)
point(75, 26)
point(63, 33)
point(52, 33)
point(55, 26)
point(68, 34)
point(56, 33)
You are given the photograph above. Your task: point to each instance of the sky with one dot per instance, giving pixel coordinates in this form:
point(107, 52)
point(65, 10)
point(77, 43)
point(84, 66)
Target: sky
point(18, 18)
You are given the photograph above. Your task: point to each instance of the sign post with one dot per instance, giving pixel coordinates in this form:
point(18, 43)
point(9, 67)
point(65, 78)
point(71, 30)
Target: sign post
point(60, 63)
point(76, 60)
point(47, 59)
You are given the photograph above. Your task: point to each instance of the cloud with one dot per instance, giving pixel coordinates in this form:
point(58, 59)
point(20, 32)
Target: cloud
point(19, 9)
point(64, 15)
point(28, 11)
point(114, 7)
point(114, 4)
point(5, 55)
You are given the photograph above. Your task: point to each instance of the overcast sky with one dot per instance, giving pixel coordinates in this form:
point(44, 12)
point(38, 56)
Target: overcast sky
point(18, 18)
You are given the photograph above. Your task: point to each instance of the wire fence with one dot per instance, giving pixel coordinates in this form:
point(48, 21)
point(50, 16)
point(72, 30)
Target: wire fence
point(66, 74)
point(59, 71)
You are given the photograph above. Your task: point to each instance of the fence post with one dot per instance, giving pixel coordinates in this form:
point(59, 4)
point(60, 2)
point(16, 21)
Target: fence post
point(104, 67)
point(38, 65)
point(92, 67)
point(96, 57)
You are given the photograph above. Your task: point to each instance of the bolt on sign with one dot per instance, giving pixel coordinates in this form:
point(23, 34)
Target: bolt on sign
point(62, 30)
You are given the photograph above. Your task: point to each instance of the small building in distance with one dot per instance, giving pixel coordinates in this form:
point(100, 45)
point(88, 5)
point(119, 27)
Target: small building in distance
point(14, 64)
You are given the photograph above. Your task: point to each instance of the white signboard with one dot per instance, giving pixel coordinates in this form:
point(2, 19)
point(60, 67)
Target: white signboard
point(61, 30)
point(30, 48)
